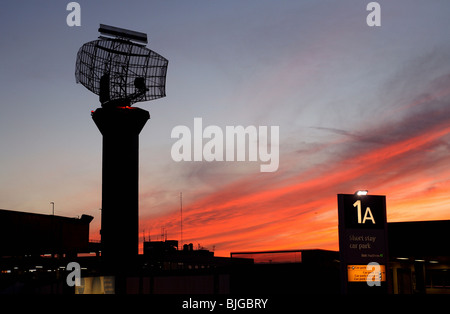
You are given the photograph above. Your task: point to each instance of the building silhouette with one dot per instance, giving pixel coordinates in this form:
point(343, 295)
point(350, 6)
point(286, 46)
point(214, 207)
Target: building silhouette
point(36, 234)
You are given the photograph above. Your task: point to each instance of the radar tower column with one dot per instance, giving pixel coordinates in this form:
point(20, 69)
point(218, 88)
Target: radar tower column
point(120, 127)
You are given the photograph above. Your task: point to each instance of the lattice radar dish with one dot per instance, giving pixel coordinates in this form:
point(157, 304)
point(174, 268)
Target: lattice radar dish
point(119, 71)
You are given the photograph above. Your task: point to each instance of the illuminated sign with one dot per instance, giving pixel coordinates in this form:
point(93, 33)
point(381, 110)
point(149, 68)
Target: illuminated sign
point(362, 211)
point(363, 242)
point(366, 273)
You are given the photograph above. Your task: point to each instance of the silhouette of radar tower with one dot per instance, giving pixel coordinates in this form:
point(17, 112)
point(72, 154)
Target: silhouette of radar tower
point(121, 71)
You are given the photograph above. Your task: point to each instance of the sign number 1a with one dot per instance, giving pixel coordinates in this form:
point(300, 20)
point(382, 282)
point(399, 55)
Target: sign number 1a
point(367, 214)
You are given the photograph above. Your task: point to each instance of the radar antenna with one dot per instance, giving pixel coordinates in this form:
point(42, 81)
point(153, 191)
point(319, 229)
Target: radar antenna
point(120, 69)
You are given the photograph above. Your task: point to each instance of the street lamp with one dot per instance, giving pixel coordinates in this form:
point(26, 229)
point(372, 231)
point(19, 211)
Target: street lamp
point(361, 192)
point(53, 208)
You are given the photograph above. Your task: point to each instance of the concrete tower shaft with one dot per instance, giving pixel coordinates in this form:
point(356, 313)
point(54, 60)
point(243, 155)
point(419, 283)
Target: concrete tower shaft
point(120, 127)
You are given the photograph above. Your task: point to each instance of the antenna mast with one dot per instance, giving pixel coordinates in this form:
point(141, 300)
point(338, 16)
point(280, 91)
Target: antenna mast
point(181, 218)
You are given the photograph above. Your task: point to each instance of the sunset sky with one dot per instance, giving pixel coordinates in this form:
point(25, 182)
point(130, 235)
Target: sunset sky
point(357, 107)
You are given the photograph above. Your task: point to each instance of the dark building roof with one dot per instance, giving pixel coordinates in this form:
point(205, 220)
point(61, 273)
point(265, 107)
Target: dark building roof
point(419, 239)
point(30, 234)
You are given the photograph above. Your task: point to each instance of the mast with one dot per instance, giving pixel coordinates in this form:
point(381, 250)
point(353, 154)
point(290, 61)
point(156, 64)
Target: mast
point(181, 219)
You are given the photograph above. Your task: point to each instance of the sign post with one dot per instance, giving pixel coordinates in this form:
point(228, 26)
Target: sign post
point(363, 243)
